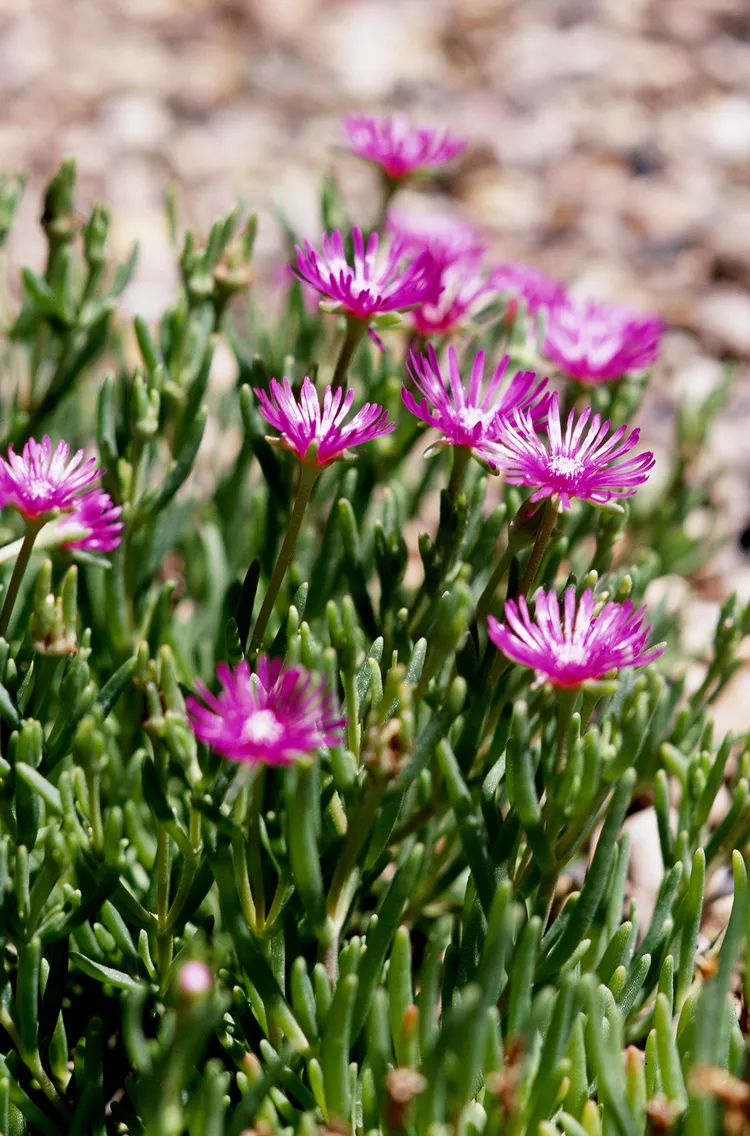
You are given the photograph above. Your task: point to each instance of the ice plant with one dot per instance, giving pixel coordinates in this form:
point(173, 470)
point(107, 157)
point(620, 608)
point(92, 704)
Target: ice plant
point(537, 291)
point(369, 291)
point(471, 419)
point(93, 525)
point(38, 483)
point(582, 463)
point(448, 238)
point(597, 342)
point(397, 147)
point(318, 436)
point(273, 716)
point(574, 646)
point(466, 291)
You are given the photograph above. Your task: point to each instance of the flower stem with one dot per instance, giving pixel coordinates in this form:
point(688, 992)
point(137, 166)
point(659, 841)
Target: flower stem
point(256, 862)
point(391, 186)
point(540, 546)
point(355, 329)
point(163, 937)
point(32, 530)
point(308, 475)
point(565, 702)
point(461, 456)
point(485, 600)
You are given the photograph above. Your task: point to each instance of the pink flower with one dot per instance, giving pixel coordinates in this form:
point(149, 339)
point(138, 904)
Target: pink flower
point(95, 513)
point(368, 289)
point(595, 342)
point(398, 147)
point(465, 292)
point(273, 716)
point(581, 464)
point(581, 647)
point(528, 284)
point(474, 420)
point(302, 422)
point(447, 238)
point(38, 481)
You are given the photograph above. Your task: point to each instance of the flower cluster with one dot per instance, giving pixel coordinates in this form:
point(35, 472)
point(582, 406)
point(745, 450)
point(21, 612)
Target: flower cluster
point(582, 463)
point(576, 646)
point(448, 238)
point(273, 716)
point(473, 419)
point(41, 482)
point(596, 343)
point(520, 282)
point(368, 288)
point(304, 424)
point(397, 147)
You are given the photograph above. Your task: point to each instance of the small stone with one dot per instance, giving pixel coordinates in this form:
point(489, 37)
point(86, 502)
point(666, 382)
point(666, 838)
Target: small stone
point(725, 126)
point(724, 318)
point(135, 122)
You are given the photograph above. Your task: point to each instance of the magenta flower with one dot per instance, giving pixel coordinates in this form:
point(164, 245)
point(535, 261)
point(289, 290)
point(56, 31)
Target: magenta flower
point(465, 292)
point(273, 716)
point(93, 525)
point(447, 238)
point(581, 464)
point(472, 420)
point(579, 648)
point(595, 342)
point(399, 148)
point(537, 291)
point(38, 481)
point(302, 423)
point(368, 289)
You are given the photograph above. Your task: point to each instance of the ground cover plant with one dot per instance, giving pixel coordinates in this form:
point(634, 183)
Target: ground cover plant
point(315, 756)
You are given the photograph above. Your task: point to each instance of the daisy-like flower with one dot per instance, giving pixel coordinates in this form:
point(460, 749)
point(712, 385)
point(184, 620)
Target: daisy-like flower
point(595, 342)
point(93, 525)
point(38, 480)
point(273, 716)
point(471, 419)
point(537, 291)
point(368, 289)
point(304, 423)
point(399, 148)
point(576, 646)
point(583, 463)
point(447, 238)
point(466, 291)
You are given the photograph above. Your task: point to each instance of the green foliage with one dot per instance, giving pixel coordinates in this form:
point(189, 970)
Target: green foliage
point(427, 928)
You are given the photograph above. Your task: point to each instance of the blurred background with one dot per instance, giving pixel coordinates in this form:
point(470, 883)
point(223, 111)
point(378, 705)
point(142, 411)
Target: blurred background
point(609, 145)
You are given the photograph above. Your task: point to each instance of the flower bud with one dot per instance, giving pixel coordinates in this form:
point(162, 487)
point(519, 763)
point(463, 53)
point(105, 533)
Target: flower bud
point(194, 980)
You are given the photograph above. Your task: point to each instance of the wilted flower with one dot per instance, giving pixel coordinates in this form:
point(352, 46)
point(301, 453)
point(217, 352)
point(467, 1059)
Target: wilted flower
point(580, 647)
point(93, 524)
point(399, 148)
point(537, 291)
point(447, 238)
point(368, 289)
point(302, 423)
point(39, 481)
point(472, 419)
point(595, 342)
point(582, 463)
point(465, 291)
point(273, 716)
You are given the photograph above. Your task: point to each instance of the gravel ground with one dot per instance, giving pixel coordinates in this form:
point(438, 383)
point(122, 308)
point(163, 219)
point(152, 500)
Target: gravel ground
point(610, 145)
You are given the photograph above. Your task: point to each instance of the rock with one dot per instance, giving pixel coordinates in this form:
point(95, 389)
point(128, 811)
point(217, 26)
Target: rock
point(724, 319)
point(725, 128)
point(134, 121)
